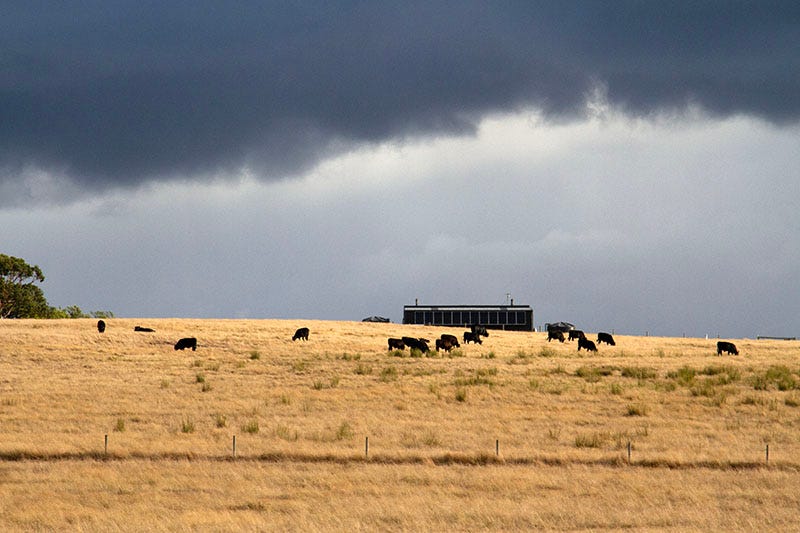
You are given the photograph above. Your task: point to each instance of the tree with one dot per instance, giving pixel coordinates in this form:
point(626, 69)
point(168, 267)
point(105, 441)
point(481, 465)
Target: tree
point(19, 297)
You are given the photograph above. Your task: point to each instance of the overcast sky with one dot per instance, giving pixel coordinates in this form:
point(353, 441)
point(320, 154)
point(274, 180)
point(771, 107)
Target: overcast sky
point(627, 166)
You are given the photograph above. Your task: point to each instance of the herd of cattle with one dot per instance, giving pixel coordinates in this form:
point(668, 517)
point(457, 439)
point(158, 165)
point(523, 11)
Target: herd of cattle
point(447, 342)
point(182, 344)
point(557, 333)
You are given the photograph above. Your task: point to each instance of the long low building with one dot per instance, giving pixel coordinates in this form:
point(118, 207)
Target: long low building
point(511, 317)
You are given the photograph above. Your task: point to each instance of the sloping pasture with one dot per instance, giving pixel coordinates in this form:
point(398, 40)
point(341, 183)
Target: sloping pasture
point(516, 433)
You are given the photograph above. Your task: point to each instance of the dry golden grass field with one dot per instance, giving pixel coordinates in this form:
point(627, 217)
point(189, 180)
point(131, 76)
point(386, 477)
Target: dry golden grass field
point(118, 431)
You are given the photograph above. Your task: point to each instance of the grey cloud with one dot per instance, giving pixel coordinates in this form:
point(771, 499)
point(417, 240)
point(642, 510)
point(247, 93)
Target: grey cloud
point(116, 94)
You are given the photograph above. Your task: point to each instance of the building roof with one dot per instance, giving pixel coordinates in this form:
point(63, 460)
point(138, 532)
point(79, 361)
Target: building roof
point(466, 307)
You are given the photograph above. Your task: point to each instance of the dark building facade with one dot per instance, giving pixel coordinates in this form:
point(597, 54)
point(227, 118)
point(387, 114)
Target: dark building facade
point(511, 317)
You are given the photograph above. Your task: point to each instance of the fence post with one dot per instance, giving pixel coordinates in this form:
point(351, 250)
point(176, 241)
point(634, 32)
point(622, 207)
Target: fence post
point(234, 446)
point(767, 454)
point(366, 447)
point(629, 452)
point(105, 447)
point(497, 447)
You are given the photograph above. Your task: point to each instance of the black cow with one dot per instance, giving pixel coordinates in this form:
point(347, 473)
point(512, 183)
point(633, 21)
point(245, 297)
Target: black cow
point(575, 334)
point(452, 339)
point(729, 347)
point(556, 334)
point(397, 344)
point(187, 342)
point(101, 326)
point(473, 337)
point(416, 344)
point(143, 330)
point(587, 345)
point(444, 344)
point(606, 338)
point(301, 333)
point(479, 330)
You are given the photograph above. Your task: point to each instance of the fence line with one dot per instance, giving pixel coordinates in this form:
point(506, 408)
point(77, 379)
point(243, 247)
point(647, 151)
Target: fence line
point(443, 459)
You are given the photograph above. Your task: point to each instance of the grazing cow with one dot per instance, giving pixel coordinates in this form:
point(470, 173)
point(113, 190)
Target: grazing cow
point(101, 326)
point(188, 342)
point(606, 338)
point(452, 339)
point(479, 330)
point(143, 330)
point(301, 333)
point(728, 347)
point(416, 344)
point(556, 334)
point(396, 344)
point(444, 344)
point(473, 337)
point(575, 334)
point(587, 345)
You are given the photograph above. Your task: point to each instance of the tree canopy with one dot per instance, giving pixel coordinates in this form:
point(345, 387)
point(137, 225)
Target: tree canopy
point(21, 298)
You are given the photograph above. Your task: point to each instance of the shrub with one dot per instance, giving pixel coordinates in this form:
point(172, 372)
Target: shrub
point(724, 375)
point(461, 394)
point(430, 438)
point(638, 372)
point(200, 377)
point(759, 383)
point(589, 374)
point(547, 351)
point(206, 386)
point(362, 370)
point(684, 375)
point(120, 425)
point(220, 420)
point(255, 355)
point(782, 377)
point(616, 389)
point(594, 440)
point(283, 432)
point(344, 431)
point(250, 427)
point(389, 374)
point(704, 388)
point(187, 425)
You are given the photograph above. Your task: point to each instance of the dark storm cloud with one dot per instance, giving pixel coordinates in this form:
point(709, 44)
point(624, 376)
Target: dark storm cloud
point(119, 93)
